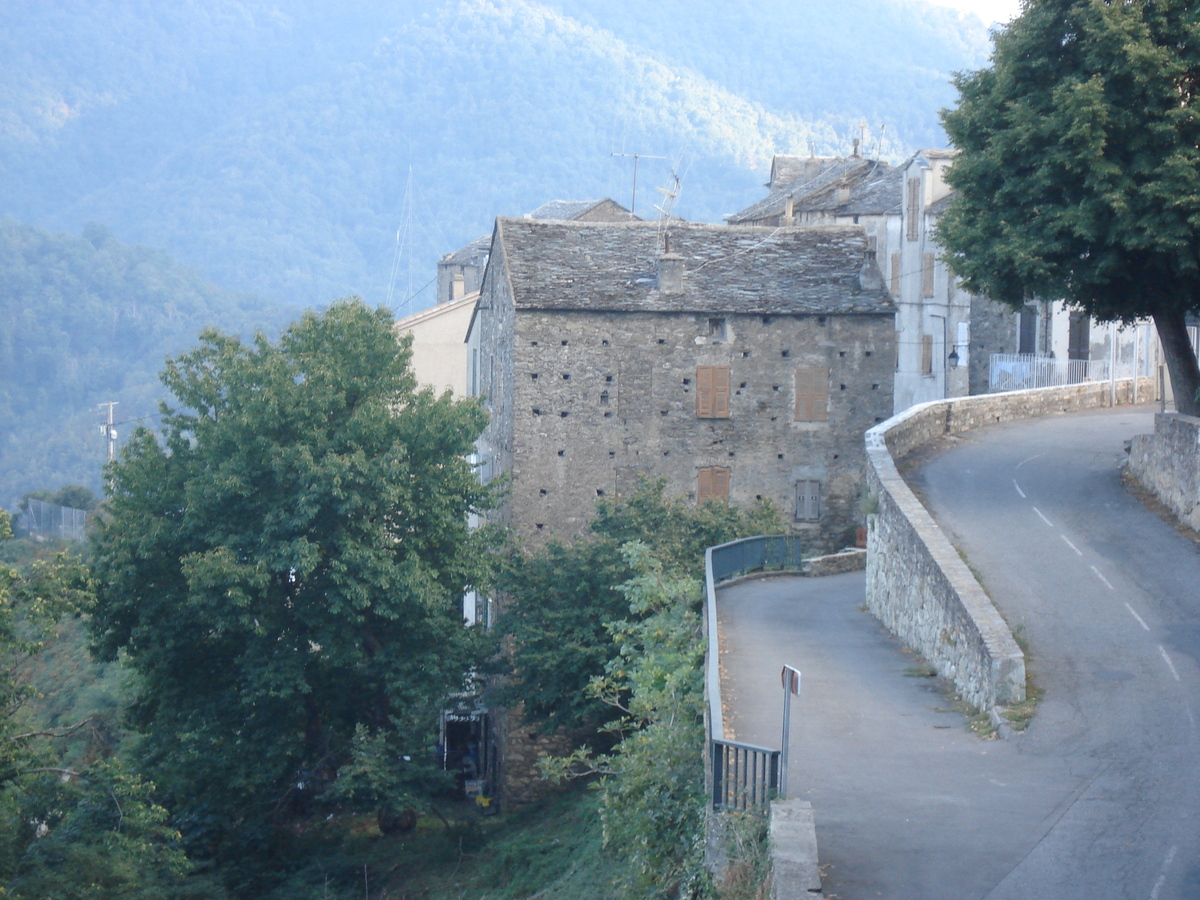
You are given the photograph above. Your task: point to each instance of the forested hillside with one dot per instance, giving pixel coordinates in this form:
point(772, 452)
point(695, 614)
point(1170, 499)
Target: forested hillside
point(85, 320)
point(271, 144)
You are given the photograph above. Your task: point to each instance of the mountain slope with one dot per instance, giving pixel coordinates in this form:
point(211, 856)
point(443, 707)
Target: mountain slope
point(85, 320)
point(273, 148)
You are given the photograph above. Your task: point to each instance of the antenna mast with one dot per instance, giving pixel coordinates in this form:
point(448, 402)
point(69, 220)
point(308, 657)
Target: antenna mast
point(636, 157)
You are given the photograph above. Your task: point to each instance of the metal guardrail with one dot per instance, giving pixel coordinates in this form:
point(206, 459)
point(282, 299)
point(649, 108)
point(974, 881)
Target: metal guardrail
point(739, 776)
point(744, 777)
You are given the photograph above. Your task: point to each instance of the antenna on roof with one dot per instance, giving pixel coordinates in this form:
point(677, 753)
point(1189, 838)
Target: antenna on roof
point(404, 242)
point(669, 196)
point(636, 157)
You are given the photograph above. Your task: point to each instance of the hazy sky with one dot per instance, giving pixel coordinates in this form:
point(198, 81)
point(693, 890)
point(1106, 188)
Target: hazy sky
point(988, 10)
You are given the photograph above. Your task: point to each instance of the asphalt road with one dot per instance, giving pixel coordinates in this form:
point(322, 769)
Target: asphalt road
point(1100, 798)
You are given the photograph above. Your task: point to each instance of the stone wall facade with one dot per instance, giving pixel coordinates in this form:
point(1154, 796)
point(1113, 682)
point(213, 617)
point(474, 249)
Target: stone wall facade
point(1168, 463)
point(599, 399)
point(917, 585)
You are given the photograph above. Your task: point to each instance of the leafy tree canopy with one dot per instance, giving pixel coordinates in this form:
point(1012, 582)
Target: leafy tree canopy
point(66, 830)
point(565, 599)
point(284, 568)
point(1078, 175)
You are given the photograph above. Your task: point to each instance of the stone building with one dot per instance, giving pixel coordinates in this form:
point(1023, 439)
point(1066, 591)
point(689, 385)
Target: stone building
point(740, 363)
point(847, 190)
point(461, 272)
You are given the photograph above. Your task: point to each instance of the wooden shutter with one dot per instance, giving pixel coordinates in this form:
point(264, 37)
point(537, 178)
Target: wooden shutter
point(808, 500)
point(812, 394)
point(712, 483)
point(927, 275)
point(712, 392)
point(895, 286)
point(927, 354)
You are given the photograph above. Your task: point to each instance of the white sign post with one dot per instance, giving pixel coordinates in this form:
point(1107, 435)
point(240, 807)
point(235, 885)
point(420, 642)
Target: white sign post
point(791, 685)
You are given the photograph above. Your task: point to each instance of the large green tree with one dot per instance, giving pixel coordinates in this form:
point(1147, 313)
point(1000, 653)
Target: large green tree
point(284, 565)
point(564, 600)
point(1078, 175)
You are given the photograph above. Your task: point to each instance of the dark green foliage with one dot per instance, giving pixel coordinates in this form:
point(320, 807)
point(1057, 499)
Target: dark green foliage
point(564, 600)
point(72, 824)
point(1079, 171)
point(85, 320)
point(288, 177)
point(285, 569)
point(105, 838)
point(652, 782)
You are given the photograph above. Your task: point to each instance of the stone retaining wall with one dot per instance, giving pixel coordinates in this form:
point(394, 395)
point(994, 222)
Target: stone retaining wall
point(917, 584)
point(1168, 463)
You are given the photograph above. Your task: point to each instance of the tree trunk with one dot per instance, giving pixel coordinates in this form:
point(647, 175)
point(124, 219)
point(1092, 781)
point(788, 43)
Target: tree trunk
point(1180, 359)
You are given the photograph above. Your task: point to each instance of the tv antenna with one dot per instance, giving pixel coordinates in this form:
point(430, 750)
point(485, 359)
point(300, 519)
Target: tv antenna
point(636, 157)
point(404, 242)
point(669, 196)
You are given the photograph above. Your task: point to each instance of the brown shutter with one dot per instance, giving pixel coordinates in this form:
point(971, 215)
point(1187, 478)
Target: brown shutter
point(927, 354)
point(895, 287)
point(712, 483)
point(812, 394)
point(720, 482)
point(704, 392)
point(927, 275)
point(721, 394)
point(712, 392)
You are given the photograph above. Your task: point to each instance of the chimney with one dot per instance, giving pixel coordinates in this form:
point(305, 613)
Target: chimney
point(869, 276)
point(789, 212)
point(670, 270)
point(856, 152)
point(842, 195)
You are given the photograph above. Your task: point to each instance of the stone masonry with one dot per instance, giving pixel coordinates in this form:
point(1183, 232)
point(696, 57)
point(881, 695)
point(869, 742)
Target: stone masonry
point(593, 371)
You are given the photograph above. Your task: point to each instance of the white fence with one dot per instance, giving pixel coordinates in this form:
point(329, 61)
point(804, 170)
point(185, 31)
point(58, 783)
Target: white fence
point(1021, 371)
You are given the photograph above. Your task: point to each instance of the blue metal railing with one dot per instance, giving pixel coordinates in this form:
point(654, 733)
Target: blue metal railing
point(740, 776)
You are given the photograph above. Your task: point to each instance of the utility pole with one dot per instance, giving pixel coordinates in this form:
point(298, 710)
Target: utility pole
point(636, 157)
point(109, 429)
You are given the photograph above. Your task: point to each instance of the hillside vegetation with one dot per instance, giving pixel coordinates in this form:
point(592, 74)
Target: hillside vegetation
point(271, 145)
point(85, 320)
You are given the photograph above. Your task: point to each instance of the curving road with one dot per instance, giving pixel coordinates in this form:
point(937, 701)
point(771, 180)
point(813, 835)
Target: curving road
point(1109, 597)
point(1100, 798)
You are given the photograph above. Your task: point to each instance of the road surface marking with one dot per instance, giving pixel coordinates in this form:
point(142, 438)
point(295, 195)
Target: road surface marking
point(1018, 487)
point(1107, 584)
point(1043, 518)
point(1069, 544)
point(1162, 876)
point(1030, 459)
point(1167, 660)
point(1136, 616)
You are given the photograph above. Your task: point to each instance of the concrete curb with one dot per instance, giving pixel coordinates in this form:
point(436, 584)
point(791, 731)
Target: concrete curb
point(794, 870)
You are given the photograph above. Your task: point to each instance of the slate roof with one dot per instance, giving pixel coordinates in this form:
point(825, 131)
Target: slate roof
point(874, 190)
point(612, 267)
point(469, 254)
point(937, 207)
point(564, 209)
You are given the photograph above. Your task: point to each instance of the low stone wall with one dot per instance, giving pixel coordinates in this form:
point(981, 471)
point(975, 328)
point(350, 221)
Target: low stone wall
point(1168, 463)
point(917, 584)
point(852, 560)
